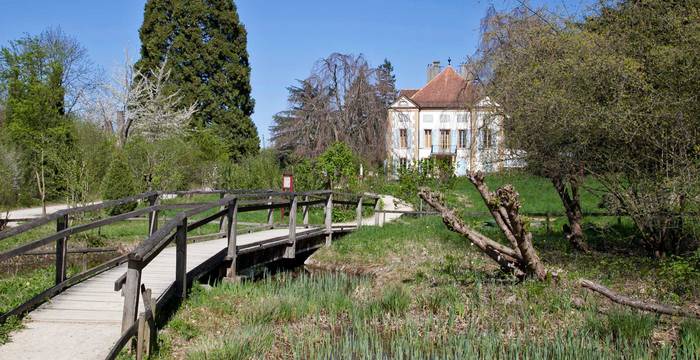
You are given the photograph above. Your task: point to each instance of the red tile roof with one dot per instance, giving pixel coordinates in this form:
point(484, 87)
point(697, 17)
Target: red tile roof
point(407, 92)
point(447, 90)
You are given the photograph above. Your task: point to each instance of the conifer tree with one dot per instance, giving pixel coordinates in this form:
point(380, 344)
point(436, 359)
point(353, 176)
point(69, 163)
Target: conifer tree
point(205, 45)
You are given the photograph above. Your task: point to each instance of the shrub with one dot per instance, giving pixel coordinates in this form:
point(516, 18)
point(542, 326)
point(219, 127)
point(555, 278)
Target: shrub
point(681, 274)
point(261, 171)
point(338, 165)
point(119, 183)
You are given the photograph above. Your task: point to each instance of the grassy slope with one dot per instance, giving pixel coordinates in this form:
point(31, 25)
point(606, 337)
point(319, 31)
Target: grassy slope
point(428, 293)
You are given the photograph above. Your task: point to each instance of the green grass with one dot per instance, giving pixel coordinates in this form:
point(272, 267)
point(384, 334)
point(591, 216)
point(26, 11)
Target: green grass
point(435, 297)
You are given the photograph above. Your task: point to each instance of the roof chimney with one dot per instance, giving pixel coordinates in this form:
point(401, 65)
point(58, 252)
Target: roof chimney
point(433, 70)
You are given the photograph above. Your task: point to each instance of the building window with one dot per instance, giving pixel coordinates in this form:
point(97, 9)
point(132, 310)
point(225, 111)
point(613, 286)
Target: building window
point(462, 118)
point(402, 163)
point(444, 138)
point(428, 138)
point(487, 137)
point(445, 118)
point(462, 139)
point(403, 138)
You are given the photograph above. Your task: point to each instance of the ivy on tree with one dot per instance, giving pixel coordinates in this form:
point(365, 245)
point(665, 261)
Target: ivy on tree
point(205, 45)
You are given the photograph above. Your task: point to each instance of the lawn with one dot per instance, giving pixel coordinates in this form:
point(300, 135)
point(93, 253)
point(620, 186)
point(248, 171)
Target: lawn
point(414, 289)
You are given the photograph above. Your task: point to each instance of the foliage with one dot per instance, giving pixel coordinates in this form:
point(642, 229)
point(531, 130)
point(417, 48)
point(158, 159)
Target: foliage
point(338, 165)
point(343, 100)
point(612, 96)
point(83, 171)
point(9, 176)
point(35, 124)
point(261, 171)
point(119, 183)
point(682, 274)
point(432, 173)
point(307, 176)
point(205, 45)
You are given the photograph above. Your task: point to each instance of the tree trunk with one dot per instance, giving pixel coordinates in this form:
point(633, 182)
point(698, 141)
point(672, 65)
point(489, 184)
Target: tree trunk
point(520, 259)
point(572, 207)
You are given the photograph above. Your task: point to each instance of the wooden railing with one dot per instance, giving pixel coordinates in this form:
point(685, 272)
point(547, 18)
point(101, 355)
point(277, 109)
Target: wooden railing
point(64, 231)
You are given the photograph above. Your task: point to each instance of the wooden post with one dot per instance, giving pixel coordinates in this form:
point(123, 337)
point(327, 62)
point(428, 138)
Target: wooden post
point(153, 215)
point(270, 216)
point(232, 252)
point(141, 337)
point(61, 247)
point(359, 213)
point(329, 219)
point(181, 260)
point(305, 210)
point(131, 294)
point(377, 208)
point(291, 251)
point(221, 220)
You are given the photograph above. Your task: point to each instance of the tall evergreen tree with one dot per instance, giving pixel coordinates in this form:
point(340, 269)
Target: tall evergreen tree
point(205, 45)
point(386, 83)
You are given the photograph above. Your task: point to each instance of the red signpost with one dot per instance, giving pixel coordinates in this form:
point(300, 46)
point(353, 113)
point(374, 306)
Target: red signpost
point(287, 185)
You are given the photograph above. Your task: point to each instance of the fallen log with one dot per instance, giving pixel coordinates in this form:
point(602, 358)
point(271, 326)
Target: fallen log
point(638, 304)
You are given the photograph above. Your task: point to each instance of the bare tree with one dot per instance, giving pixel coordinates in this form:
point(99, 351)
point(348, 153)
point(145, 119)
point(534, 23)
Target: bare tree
point(136, 102)
point(79, 74)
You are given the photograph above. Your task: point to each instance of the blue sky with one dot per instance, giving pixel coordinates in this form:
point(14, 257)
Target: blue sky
point(285, 38)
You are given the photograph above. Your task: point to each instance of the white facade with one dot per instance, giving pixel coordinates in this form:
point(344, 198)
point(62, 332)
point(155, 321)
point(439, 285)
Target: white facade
point(471, 138)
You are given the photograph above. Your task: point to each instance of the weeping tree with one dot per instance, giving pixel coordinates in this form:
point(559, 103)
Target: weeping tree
point(343, 100)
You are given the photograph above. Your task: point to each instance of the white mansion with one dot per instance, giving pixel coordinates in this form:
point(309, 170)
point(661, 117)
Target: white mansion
point(445, 119)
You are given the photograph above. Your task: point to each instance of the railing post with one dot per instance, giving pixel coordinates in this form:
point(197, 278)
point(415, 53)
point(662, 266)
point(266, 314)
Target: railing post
point(232, 252)
point(291, 251)
point(153, 215)
point(131, 290)
point(377, 208)
point(359, 212)
point(270, 213)
point(61, 247)
point(329, 219)
point(181, 260)
point(306, 212)
point(221, 220)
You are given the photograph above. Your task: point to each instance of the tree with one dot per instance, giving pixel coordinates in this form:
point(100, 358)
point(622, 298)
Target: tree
point(386, 83)
point(79, 76)
point(555, 85)
point(649, 160)
point(338, 164)
point(344, 99)
point(119, 183)
point(35, 123)
point(205, 45)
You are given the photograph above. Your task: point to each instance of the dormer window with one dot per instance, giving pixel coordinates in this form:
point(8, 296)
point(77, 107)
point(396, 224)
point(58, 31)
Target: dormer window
point(403, 103)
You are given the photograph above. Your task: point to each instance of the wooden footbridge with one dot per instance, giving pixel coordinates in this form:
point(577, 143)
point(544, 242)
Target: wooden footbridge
point(96, 313)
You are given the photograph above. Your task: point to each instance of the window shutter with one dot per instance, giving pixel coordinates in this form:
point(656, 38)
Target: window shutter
point(436, 138)
point(453, 139)
point(409, 137)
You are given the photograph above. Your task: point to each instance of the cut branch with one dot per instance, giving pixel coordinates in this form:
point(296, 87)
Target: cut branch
point(638, 304)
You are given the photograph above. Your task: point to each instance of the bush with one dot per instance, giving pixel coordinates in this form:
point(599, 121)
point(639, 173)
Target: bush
point(338, 165)
point(119, 183)
point(261, 171)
